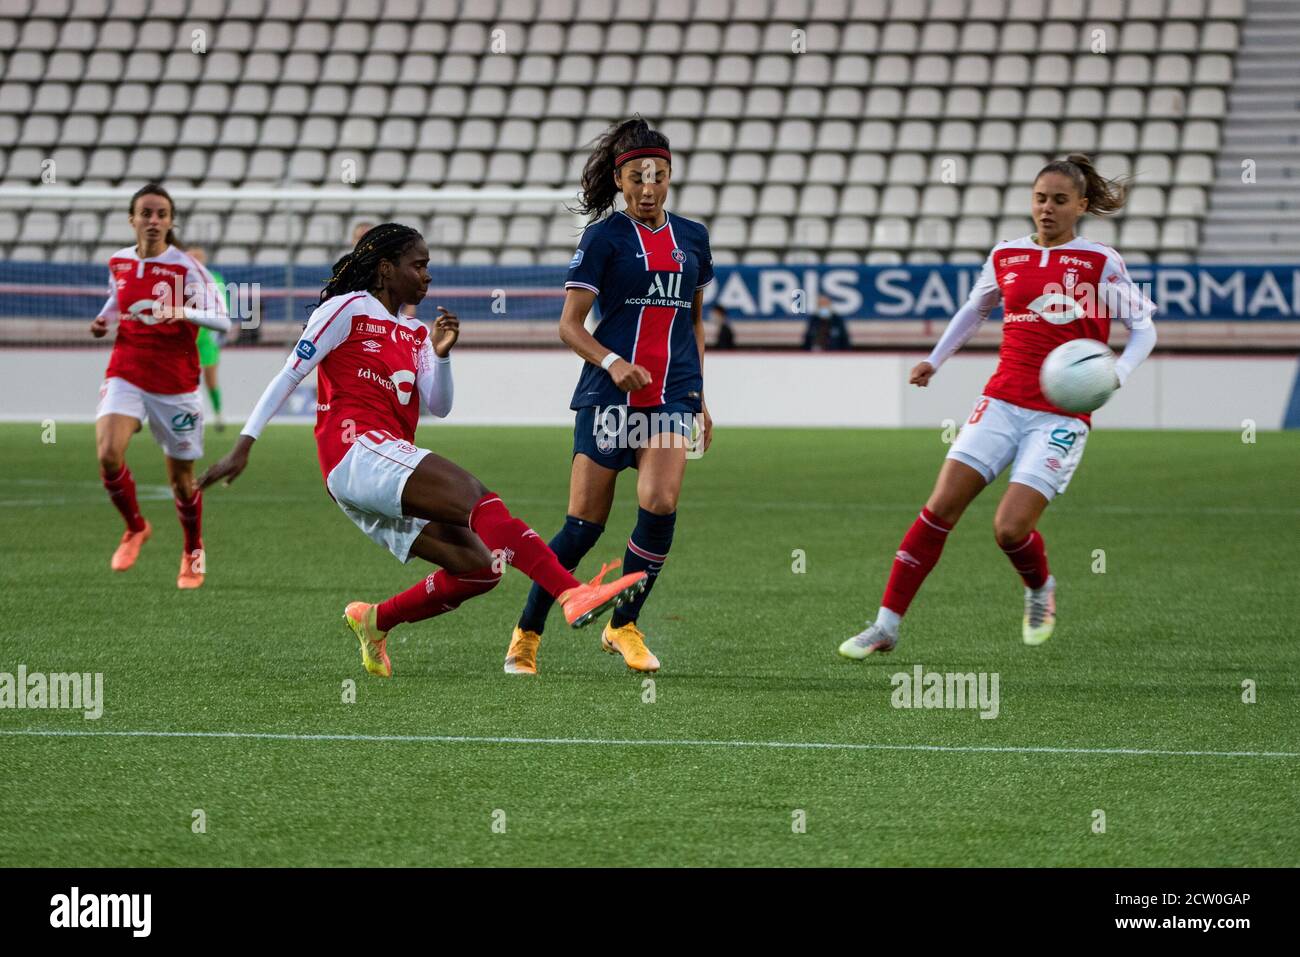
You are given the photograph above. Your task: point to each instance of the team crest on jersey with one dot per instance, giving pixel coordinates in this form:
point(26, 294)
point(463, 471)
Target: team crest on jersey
point(371, 346)
point(576, 261)
point(679, 256)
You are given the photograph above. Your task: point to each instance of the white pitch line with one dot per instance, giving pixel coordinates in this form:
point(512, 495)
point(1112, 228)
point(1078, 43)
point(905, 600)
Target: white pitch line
point(657, 743)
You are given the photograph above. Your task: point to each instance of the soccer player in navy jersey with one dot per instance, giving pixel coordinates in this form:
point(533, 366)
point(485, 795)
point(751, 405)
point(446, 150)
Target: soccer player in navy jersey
point(642, 387)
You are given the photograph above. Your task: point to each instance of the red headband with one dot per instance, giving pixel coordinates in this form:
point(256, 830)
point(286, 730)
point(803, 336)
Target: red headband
point(658, 151)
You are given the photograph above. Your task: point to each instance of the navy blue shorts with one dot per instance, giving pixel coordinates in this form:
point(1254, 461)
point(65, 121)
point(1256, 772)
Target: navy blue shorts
point(610, 435)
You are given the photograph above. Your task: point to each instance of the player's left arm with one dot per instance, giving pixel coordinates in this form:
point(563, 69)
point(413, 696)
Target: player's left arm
point(209, 309)
point(1125, 301)
point(433, 370)
point(697, 317)
point(702, 280)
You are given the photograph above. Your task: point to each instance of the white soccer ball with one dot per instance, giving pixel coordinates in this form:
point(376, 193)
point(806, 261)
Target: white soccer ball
point(1079, 376)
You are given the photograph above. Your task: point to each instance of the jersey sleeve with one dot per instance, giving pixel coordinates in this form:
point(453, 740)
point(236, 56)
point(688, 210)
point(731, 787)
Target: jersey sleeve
point(109, 309)
point(984, 295)
point(205, 305)
point(433, 380)
point(1123, 298)
point(587, 267)
point(706, 261)
point(329, 327)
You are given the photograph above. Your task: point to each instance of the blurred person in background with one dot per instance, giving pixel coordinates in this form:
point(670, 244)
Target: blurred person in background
point(726, 336)
point(826, 331)
point(210, 341)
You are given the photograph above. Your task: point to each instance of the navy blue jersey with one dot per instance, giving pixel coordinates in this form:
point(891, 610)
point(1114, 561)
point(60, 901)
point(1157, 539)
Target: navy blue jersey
point(645, 281)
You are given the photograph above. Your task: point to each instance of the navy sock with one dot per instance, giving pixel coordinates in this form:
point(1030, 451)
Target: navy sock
point(570, 544)
point(647, 550)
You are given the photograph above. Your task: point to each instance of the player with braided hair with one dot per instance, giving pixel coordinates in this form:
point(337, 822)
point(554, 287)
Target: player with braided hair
point(372, 361)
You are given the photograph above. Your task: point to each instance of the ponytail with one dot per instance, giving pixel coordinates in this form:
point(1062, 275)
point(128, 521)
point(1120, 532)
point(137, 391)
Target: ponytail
point(598, 189)
point(1104, 195)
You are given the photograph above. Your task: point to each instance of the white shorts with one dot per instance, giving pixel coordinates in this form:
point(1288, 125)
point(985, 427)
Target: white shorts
point(176, 421)
point(367, 484)
point(1042, 448)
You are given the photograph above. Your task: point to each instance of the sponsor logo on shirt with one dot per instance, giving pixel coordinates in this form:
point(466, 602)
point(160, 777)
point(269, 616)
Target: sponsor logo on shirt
point(665, 290)
point(1076, 261)
point(1012, 260)
point(400, 382)
point(576, 261)
point(306, 349)
point(1056, 308)
point(372, 327)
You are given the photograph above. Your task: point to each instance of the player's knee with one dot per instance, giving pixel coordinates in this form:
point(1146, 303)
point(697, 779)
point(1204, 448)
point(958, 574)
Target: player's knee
point(182, 486)
point(1010, 532)
point(945, 511)
point(111, 460)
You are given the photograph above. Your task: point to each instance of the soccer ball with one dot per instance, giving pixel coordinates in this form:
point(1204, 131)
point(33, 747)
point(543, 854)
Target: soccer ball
point(1079, 376)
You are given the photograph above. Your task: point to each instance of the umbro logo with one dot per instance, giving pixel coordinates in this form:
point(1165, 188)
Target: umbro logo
point(371, 346)
point(1009, 277)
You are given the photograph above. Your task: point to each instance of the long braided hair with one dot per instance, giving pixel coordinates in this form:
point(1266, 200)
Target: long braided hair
point(359, 269)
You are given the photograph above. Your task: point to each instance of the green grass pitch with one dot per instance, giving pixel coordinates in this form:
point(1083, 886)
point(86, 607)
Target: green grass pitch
point(1199, 532)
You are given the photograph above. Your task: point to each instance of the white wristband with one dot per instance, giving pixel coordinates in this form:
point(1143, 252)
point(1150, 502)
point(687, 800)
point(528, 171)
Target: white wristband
point(609, 360)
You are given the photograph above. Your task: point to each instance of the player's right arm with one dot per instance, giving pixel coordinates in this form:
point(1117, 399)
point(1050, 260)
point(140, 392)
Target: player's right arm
point(983, 297)
point(586, 272)
point(328, 327)
point(107, 313)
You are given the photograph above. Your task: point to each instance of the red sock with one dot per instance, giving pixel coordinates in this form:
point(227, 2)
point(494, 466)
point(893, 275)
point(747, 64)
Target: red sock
point(437, 594)
point(520, 545)
point(917, 555)
point(121, 491)
point(1030, 559)
point(191, 516)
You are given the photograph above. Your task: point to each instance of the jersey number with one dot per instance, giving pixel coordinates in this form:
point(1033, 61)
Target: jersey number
point(979, 411)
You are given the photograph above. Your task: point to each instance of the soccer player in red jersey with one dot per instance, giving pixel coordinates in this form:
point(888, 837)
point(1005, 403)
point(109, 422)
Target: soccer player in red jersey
point(1054, 286)
point(160, 297)
point(374, 364)
point(641, 392)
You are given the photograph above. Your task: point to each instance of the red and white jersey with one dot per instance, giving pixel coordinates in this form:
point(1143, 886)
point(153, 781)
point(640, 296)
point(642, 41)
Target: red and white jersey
point(1050, 296)
point(157, 356)
point(368, 362)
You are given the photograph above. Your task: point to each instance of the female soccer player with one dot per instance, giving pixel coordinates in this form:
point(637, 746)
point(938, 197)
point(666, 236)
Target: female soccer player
point(161, 297)
point(642, 387)
point(1055, 286)
point(372, 361)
